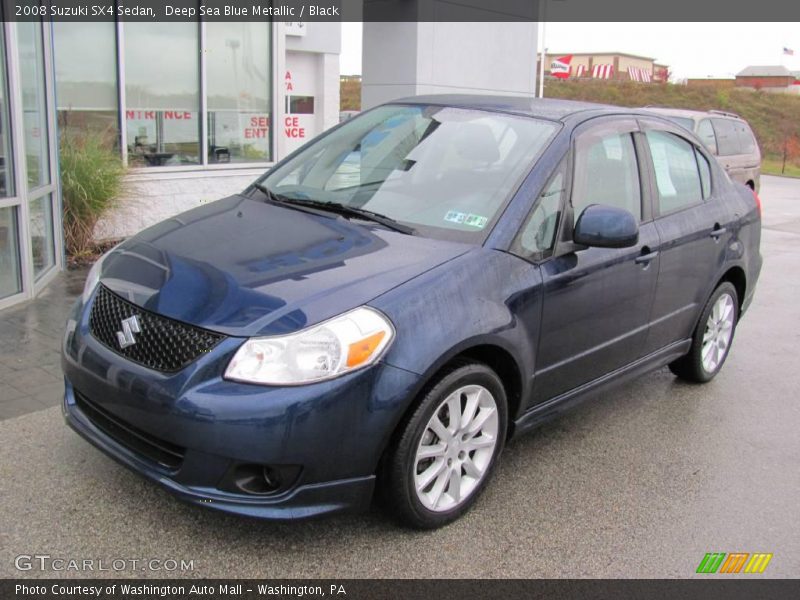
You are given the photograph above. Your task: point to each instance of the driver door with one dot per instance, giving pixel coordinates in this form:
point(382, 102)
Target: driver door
point(597, 301)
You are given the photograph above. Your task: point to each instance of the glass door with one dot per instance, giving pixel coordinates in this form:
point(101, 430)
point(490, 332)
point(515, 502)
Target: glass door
point(10, 264)
point(30, 215)
point(36, 132)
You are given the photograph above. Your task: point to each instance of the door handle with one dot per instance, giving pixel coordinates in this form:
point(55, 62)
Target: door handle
point(646, 257)
point(717, 231)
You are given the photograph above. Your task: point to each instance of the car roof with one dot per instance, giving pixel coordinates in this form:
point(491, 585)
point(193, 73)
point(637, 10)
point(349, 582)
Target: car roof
point(690, 114)
point(545, 108)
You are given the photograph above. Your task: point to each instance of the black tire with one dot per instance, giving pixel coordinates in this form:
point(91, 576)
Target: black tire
point(690, 366)
point(398, 489)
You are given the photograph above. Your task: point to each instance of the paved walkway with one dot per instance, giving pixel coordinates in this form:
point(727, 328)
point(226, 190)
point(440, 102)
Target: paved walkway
point(30, 338)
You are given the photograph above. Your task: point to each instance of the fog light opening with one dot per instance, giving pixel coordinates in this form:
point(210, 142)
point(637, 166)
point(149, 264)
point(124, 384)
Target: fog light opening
point(261, 480)
point(272, 478)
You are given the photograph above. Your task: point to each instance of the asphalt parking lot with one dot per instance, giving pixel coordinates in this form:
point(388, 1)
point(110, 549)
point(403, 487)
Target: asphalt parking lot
point(641, 482)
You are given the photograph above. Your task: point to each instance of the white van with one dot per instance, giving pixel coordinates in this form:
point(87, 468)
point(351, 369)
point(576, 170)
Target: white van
point(727, 136)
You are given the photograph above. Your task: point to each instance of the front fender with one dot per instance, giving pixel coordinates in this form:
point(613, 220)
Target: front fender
point(483, 298)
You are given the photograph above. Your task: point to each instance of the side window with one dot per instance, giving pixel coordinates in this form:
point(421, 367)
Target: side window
point(677, 174)
point(706, 134)
point(705, 173)
point(747, 141)
point(606, 172)
point(727, 139)
point(538, 234)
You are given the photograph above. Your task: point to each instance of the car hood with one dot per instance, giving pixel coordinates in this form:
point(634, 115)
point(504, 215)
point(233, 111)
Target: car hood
point(245, 267)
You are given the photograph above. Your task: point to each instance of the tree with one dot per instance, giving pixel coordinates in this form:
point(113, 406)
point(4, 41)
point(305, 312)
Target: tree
point(791, 150)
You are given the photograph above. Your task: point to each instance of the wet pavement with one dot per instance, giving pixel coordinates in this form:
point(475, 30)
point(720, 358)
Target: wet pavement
point(30, 339)
point(640, 482)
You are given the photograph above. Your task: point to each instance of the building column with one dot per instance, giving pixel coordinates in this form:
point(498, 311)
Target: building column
point(407, 59)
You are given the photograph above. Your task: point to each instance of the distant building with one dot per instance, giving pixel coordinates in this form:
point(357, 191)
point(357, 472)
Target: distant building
point(617, 66)
point(769, 78)
point(715, 82)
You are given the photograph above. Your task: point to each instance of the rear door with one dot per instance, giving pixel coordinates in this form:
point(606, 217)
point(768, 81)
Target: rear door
point(597, 300)
point(693, 227)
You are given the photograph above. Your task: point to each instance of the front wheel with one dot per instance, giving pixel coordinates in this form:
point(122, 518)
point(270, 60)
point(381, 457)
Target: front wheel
point(447, 448)
point(712, 337)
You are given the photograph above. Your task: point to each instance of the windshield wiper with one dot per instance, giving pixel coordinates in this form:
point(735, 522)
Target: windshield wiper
point(318, 206)
point(286, 202)
point(352, 211)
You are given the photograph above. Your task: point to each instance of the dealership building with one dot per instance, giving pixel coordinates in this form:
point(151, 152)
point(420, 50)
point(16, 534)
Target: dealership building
point(198, 110)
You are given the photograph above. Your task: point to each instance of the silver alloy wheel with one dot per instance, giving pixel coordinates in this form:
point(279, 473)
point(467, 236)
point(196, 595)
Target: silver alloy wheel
point(718, 333)
point(456, 449)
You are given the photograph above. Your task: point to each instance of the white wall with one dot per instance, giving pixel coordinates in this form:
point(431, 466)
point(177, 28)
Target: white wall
point(153, 197)
point(406, 59)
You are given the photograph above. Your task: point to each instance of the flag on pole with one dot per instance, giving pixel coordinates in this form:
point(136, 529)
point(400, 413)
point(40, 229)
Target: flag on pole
point(788, 51)
point(560, 67)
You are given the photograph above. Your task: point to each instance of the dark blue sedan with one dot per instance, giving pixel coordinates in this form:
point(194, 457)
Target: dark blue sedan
point(386, 307)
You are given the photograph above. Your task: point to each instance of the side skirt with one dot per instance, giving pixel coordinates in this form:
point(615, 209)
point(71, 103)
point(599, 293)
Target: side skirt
point(550, 409)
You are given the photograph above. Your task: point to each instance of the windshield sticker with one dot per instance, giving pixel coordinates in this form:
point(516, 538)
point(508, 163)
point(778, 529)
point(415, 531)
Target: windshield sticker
point(455, 217)
point(476, 221)
point(470, 219)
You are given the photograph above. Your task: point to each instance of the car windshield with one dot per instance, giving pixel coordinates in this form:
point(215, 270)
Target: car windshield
point(682, 121)
point(445, 172)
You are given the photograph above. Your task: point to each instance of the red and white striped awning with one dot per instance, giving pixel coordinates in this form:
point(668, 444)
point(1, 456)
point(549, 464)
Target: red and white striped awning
point(603, 71)
point(637, 74)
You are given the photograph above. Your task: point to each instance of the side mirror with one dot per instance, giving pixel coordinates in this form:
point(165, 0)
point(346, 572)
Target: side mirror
point(606, 227)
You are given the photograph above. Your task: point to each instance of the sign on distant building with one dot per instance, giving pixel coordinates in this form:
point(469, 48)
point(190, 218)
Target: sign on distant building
point(560, 67)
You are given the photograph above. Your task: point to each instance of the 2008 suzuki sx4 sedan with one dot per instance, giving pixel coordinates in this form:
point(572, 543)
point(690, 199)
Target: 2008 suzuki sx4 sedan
point(387, 306)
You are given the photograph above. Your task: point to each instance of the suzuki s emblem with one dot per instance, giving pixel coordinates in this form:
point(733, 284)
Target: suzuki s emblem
point(129, 327)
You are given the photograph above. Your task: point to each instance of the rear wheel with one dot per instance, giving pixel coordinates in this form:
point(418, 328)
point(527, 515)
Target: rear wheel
point(712, 337)
point(447, 448)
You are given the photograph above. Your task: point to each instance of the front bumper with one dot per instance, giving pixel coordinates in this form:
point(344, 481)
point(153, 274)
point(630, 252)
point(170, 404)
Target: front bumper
point(334, 432)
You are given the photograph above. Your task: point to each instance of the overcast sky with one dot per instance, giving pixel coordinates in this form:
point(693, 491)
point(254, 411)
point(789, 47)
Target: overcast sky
point(690, 49)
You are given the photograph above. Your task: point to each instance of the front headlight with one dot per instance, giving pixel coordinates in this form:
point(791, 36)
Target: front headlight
point(343, 344)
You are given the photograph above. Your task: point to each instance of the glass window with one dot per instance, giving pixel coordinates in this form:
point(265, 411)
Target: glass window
point(6, 162)
point(677, 174)
point(238, 78)
point(41, 229)
point(10, 272)
point(705, 173)
point(682, 121)
point(747, 140)
point(727, 139)
point(162, 90)
point(300, 105)
point(706, 134)
point(86, 77)
point(31, 63)
point(444, 171)
point(538, 234)
point(606, 172)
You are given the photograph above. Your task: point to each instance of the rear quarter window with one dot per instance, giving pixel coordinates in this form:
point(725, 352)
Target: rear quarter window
point(747, 140)
point(727, 137)
point(706, 134)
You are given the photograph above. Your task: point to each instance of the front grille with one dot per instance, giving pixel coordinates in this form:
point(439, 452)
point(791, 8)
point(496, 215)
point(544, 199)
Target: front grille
point(162, 344)
point(159, 451)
